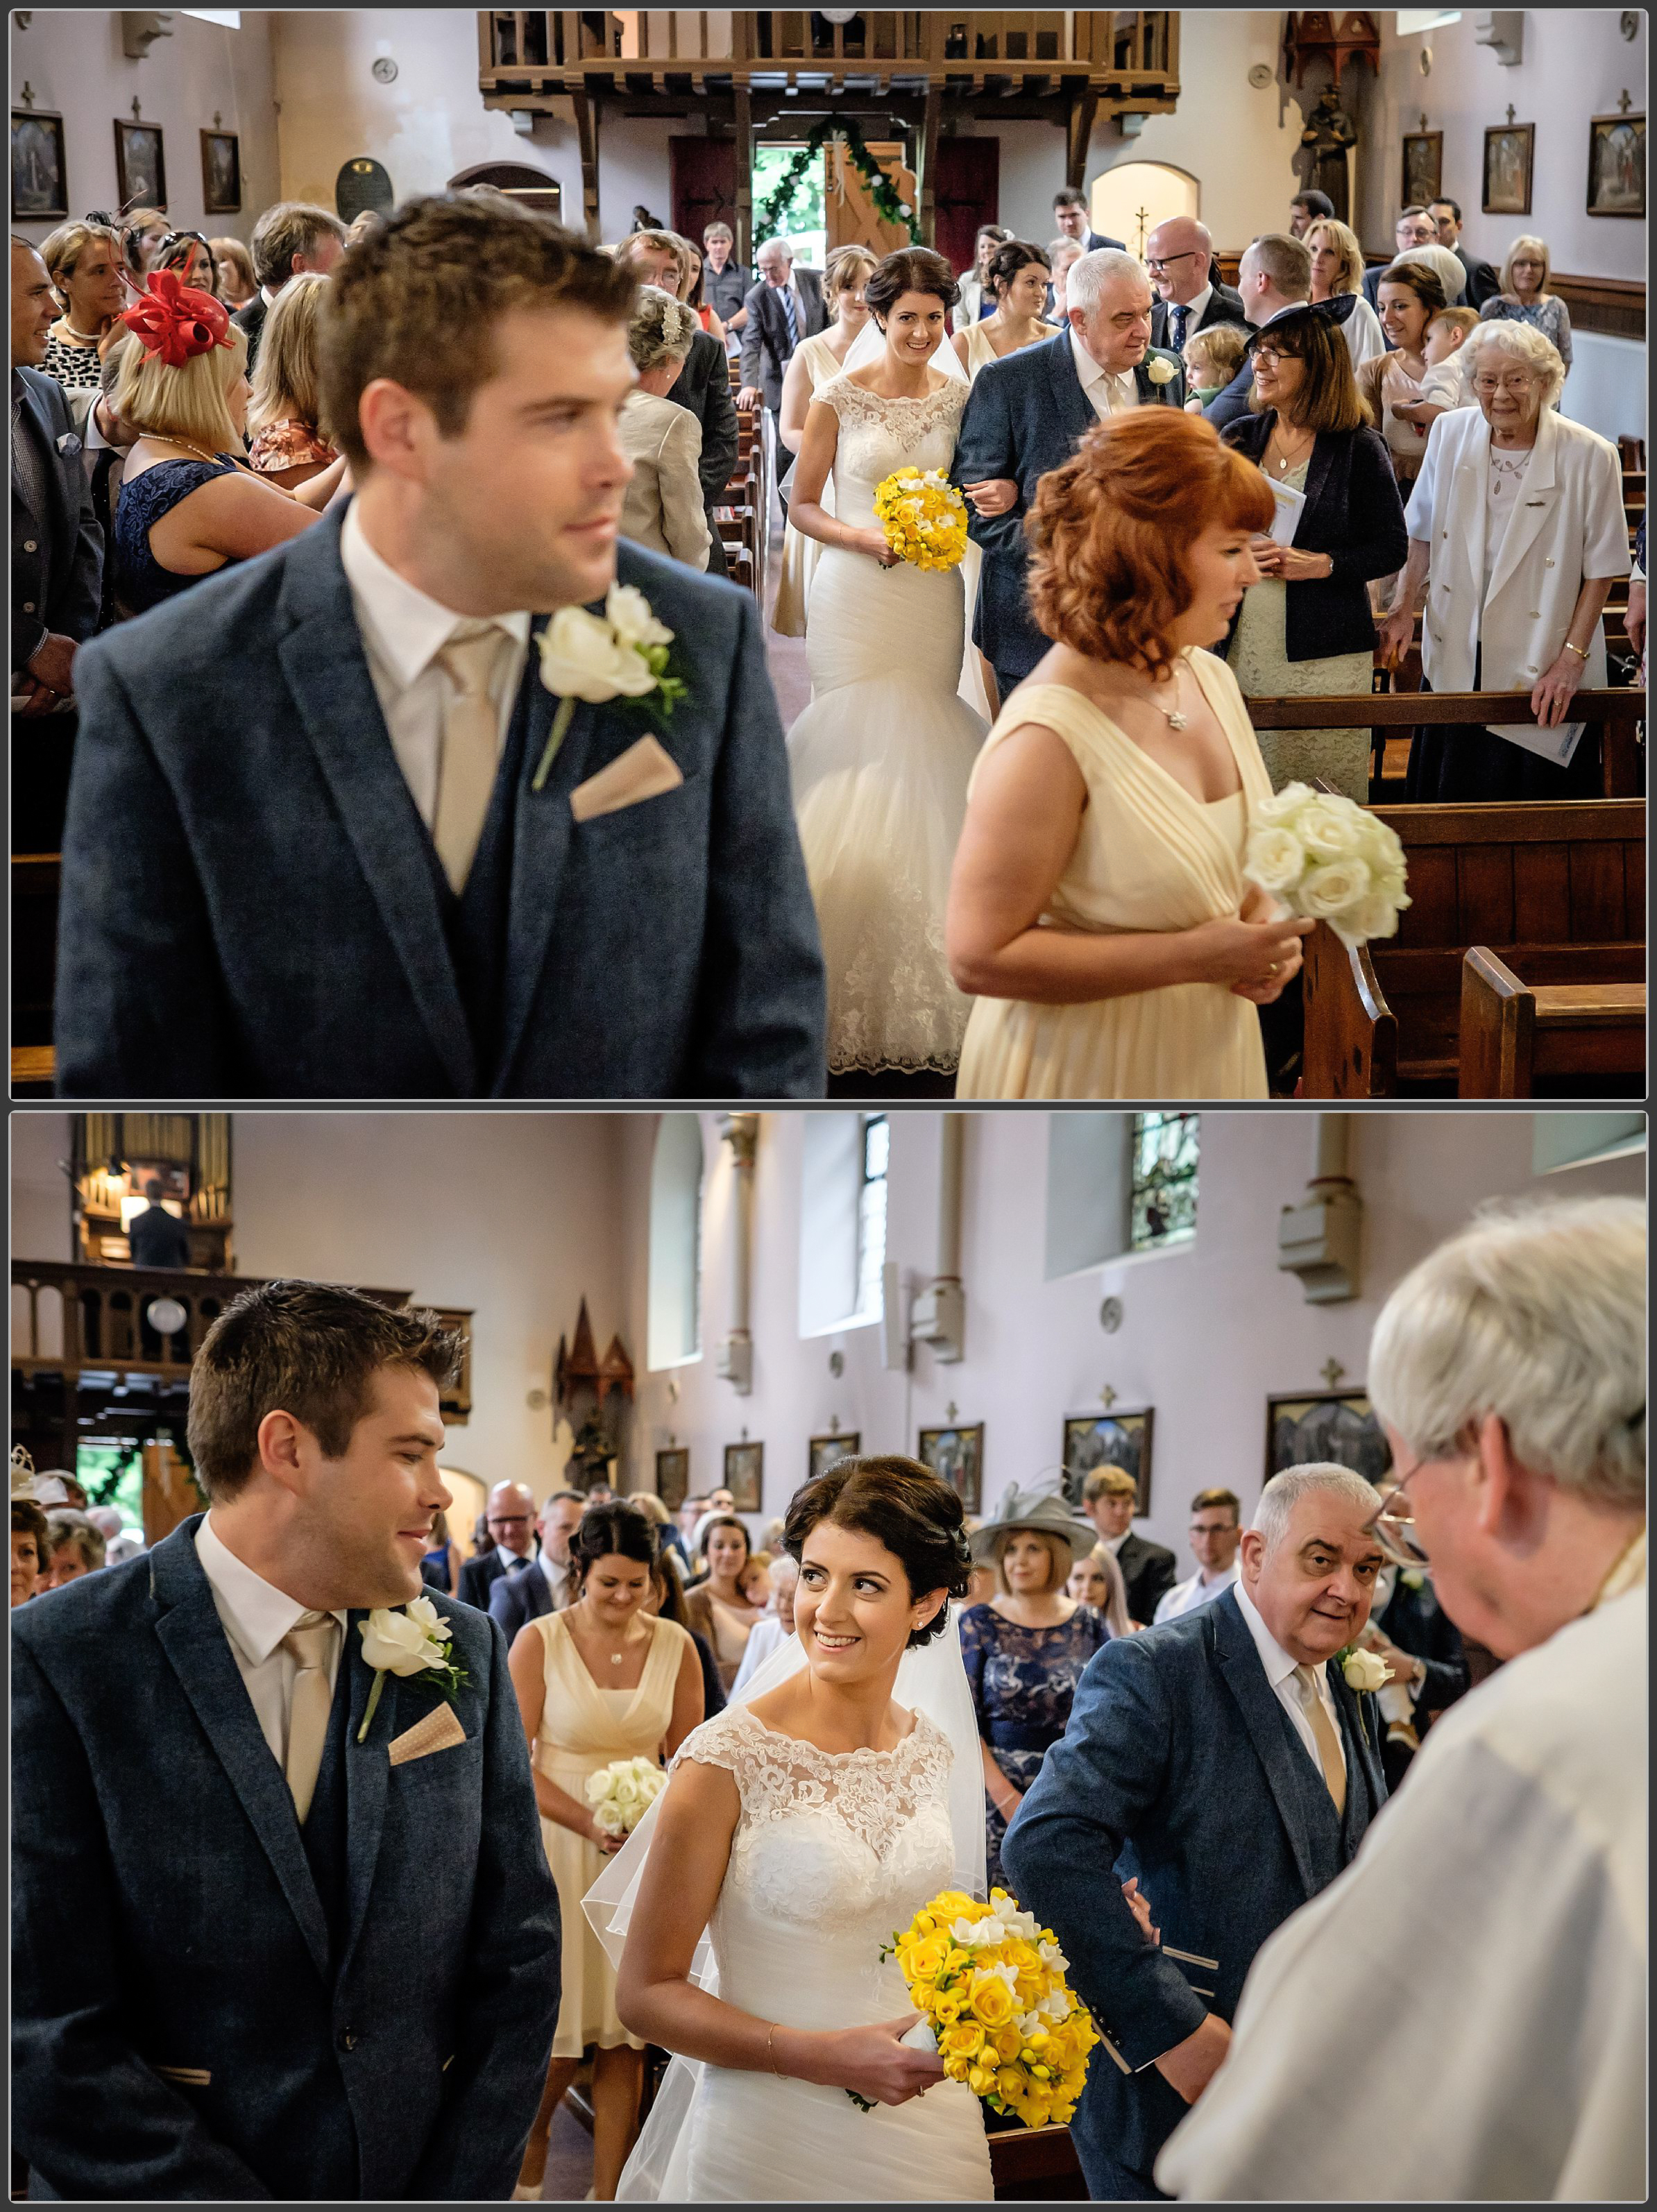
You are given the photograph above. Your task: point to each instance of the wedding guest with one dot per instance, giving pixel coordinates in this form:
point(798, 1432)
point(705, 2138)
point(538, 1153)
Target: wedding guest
point(1410, 295)
point(1424, 1651)
point(1523, 297)
point(973, 302)
point(1305, 629)
point(1482, 283)
point(74, 1547)
point(237, 284)
point(755, 1582)
point(1025, 1649)
point(284, 414)
point(692, 295)
point(1070, 214)
point(1025, 418)
point(1113, 796)
point(155, 1237)
point(702, 387)
point(662, 507)
point(1306, 209)
point(768, 1635)
point(1509, 1370)
point(385, 953)
point(1443, 387)
point(509, 1523)
point(601, 1681)
point(1274, 277)
point(718, 1607)
point(189, 505)
point(288, 238)
point(1211, 358)
point(726, 283)
point(29, 1548)
point(1179, 257)
point(1063, 253)
point(190, 257)
point(1215, 1532)
point(1016, 282)
point(440, 1566)
point(142, 232)
point(1337, 269)
point(785, 306)
point(1225, 1766)
point(1097, 1580)
point(1479, 631)
point(83, 260)
point(369, 222)
point(1414, 228)
point(1110, 1500)
point(548, 1584)
point(667, 1597)
point(814, 360)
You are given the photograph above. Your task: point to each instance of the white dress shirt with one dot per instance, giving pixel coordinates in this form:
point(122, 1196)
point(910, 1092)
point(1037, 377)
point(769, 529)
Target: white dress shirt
point(1280, 1673)
point(557, 1577)
point(1185, 1595)
point(1106, 394)
point(256, 1616)
point(1195, 311)
point(402, 631)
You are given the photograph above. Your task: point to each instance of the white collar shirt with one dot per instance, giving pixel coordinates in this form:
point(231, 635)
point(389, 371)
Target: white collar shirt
point(1113, 1544)
point(255, 1616)
point(1185, 1596)
point(1280, 1674)
point(1194, 309)
point(402, 631)
point(1106, 394)
point(557, 1575)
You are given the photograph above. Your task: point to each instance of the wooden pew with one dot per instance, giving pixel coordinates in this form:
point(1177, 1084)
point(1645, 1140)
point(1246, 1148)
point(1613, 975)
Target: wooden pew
point(34, 888)
point(1035, 2166)
point(1515, 1033)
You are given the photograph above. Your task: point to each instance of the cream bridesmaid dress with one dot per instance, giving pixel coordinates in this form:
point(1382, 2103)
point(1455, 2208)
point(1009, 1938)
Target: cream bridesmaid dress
point(582, 1727)
point(799, 553)
point(1148, 857)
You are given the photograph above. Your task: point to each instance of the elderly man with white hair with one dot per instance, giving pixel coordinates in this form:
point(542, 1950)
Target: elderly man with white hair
point(1178, 260)
point(1462, 2016)
point(1223, 1763)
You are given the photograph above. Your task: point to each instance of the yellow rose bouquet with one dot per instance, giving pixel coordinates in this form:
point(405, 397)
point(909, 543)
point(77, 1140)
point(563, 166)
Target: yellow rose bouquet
point(924, 516)
point(991, 1982)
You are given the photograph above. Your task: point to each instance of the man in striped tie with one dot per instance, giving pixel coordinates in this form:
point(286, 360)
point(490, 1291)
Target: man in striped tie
point(785, 306)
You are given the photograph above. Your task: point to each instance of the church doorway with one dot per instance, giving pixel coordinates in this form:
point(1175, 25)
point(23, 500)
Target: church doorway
point(1129, 201)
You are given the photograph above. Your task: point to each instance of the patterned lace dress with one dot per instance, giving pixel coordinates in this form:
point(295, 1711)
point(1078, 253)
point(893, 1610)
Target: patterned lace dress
point(1023, 1680)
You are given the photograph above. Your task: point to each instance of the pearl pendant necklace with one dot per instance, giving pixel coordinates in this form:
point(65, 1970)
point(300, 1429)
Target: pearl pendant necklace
point(1172, 715)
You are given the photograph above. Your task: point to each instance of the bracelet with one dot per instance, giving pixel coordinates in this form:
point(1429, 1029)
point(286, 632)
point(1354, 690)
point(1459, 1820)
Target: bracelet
point(1577, 649)
point(770, 2052)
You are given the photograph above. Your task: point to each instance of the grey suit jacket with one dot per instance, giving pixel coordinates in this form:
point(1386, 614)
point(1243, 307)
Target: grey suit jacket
point(58, 554)
point(183, 2026)
point(766, 351)
point(273, 924)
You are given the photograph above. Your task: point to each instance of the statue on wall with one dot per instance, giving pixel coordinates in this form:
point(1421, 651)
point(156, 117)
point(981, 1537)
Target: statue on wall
point(1329, 135)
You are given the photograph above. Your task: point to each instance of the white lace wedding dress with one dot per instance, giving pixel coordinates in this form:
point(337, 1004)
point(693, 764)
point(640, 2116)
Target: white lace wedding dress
point(833, 1852)
point(880, 759)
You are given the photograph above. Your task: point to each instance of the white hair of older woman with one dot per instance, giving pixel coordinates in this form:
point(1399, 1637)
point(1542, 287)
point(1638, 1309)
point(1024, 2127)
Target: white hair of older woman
point(660, 328)
point(1442, 263)
point(1535, 1313)
point(1284, 1491)
point(1527, 345)
point(1088, 277)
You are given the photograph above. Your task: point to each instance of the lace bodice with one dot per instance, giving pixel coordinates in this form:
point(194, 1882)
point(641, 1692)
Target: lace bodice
point(833, 1851)
point(877, 436)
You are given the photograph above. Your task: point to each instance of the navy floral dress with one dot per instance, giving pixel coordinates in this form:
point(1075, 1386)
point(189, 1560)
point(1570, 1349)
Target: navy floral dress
point(1022, 1682)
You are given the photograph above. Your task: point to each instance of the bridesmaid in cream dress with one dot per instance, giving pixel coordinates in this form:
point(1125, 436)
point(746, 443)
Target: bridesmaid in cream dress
point(603, 1679)
point(1018, 279)
point(1098, 911)
point(815, 360)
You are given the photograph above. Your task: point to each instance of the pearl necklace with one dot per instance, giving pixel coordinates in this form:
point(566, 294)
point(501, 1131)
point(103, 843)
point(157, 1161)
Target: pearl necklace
point(1172, 715)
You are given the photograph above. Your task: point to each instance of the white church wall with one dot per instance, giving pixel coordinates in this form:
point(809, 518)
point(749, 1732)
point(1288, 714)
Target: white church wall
point(73, 61)
point(40, 1192)
point(1209, 1332)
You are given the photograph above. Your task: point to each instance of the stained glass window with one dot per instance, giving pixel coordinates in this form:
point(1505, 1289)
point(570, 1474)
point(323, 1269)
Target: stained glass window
point(1163, 1201)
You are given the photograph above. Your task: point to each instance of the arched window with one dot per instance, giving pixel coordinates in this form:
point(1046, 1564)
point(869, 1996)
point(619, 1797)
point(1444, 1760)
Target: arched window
point(674, 1336)
point(1128, 201)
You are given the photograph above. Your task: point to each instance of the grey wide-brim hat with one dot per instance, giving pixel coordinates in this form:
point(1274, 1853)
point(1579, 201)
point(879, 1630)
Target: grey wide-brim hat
point(1045, 1513)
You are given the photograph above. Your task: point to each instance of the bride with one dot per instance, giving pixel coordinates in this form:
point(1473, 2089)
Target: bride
point(800, 1829)
point(880, 759)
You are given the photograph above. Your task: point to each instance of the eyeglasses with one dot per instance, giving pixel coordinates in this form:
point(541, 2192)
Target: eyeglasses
point(1395, 1524)
point(1271, 356)
point(1156, 268)
point(1521, 382)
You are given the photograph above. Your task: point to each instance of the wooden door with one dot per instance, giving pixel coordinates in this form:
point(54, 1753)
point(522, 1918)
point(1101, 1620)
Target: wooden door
point(702, 179)
point(852, 219)
point(967, 193)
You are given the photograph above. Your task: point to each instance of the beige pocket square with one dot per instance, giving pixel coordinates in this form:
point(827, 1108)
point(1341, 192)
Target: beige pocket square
point(439, 1731)
point(643, 771)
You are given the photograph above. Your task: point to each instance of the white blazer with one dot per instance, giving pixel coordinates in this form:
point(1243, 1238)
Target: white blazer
point(1569, 526)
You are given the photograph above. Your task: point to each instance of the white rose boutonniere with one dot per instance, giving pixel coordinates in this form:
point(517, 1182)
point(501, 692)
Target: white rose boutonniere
point(1160, 369)
point(1363, 1671)
point(620, 654)
point(412, 1641)
point(1412, 1578)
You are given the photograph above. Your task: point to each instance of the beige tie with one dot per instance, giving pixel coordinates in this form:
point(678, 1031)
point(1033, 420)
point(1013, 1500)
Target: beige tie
point(471, 745)
point(311, 1640)
point(1323, 1735)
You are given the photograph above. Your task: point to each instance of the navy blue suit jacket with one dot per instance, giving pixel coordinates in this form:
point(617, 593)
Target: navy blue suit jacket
point(1027, 415)
point(1417, 1624)
point(270, 922)
point(1180, 1766)
point(180, 2027)
point(515, 1600)
point(58, 555)
point(479, 1573)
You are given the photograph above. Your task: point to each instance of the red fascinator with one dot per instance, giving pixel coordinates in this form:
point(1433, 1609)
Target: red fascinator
point(176, 322)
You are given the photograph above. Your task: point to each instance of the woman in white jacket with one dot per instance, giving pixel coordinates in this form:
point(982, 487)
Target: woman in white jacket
point(1517, 532)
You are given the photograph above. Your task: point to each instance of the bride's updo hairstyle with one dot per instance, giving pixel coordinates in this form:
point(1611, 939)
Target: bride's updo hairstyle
point(897, 1501)
point(1110, 532)
point(912, 269)
point(616, 1528)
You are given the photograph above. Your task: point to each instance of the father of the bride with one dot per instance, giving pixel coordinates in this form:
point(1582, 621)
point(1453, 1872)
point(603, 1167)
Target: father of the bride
point(352, 820)
point(284, 1926)
point(1221, 1760)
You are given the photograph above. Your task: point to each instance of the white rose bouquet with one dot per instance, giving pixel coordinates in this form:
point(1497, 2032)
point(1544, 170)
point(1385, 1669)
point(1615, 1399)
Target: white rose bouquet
point(621, 1793)
point(1326, 857)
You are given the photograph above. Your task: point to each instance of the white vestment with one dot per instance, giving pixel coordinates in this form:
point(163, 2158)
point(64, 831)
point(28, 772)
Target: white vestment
point(1461, 2015)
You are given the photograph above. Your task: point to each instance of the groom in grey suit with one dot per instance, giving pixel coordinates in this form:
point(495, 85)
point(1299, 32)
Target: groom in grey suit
point(1223, 1762)
point(284, 1926)
point(371, 843)
point(1027, 415)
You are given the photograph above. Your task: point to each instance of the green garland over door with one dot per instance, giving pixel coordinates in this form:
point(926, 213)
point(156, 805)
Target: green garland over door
point(771, 216)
